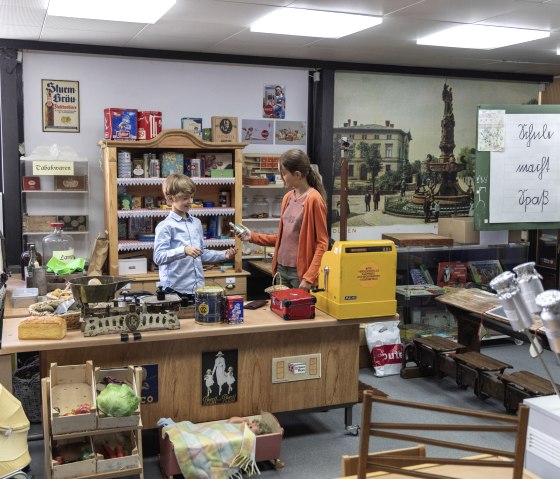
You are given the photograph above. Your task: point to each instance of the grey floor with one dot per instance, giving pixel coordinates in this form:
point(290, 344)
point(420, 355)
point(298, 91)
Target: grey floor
point(314, 441)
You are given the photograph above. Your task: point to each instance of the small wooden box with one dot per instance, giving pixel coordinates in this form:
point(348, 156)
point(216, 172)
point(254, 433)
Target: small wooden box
point(70, 183)
point(127, 376)
point(71, 386)
point(224, 129)
point(38, 223)
point(417, 239)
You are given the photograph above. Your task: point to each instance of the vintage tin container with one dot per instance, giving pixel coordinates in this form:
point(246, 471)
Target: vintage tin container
point(120, 124)
point(234, 309)
point(293, 303)
point(149, 124)
point(171, 162)
point(209, 305)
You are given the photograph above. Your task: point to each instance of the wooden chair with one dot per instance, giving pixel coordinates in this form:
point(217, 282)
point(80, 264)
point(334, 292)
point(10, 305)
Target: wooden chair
point(349, 464)
point(514, 424)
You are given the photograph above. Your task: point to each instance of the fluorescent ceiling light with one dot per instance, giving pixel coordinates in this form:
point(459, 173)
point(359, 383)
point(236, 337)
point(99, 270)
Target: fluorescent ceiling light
point(481, 37)
point(558, 51)
point(136, 11)
point(313, 23)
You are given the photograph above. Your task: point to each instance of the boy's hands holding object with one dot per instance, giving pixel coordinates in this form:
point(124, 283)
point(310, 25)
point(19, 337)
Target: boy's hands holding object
point(230, 253)
point(192, 251)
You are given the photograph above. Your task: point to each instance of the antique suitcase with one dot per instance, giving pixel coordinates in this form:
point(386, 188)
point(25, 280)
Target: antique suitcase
point(293, 303)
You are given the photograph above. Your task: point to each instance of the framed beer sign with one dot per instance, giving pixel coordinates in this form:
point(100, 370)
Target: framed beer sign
point(61, 105)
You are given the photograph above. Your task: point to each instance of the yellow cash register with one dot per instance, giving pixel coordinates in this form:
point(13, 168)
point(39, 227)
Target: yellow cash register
point(357, 279)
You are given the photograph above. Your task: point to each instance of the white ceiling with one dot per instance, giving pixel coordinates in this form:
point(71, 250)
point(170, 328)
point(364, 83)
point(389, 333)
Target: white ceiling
point(222, 27)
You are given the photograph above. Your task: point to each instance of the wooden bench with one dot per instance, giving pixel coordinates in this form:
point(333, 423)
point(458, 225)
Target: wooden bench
point(521, 385)
point(427, 353)
point(479, 364)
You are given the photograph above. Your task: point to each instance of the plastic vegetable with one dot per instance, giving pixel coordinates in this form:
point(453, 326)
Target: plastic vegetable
point(109, 453)
point(119, 451)
point(117, 400)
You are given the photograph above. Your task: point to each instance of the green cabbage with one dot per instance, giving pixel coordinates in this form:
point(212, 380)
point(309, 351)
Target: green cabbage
point(117, 400)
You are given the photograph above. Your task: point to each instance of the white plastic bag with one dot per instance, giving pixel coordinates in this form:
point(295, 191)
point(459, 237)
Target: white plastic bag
point(385, 347)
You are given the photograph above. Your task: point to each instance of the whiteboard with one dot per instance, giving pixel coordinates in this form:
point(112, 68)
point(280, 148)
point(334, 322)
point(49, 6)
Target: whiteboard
point(516, 183)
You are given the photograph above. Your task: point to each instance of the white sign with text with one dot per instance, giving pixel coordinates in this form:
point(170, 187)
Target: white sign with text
point(524, 177)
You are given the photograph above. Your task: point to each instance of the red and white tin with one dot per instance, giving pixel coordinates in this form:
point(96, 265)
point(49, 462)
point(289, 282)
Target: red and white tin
point(149, 124)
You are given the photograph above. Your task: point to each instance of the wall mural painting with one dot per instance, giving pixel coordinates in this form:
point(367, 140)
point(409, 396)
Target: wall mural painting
point(418, 165)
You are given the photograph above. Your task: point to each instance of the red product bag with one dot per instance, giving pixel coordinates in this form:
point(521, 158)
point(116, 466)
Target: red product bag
point(385, 347)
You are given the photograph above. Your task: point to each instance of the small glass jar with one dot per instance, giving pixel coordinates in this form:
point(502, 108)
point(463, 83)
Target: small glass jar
point(260, 207)
point(277, 206)
point(245, 208)
point(58, 244)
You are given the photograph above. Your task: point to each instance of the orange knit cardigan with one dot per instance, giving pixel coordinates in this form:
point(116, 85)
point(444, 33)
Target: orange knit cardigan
point(313, 236)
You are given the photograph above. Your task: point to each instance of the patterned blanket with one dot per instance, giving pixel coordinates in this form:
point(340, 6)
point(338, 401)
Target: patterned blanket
point(212, 450)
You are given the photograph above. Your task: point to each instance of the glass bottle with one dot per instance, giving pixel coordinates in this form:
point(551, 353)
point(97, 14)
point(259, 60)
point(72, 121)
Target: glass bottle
point(27, 259)
point(277, 206)
point(58, 244)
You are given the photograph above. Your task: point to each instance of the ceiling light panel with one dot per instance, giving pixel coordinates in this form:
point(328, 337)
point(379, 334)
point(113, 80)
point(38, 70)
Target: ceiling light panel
point(313, 23)
point(136, 11)
point(481, 37)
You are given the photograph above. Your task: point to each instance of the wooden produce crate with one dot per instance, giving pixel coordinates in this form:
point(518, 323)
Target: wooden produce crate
point(126, 442)
point(418, 239)
point(126, 375)
point(72, 451)
point(71, 386)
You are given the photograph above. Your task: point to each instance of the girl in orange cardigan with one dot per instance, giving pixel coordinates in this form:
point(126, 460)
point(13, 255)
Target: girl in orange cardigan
point(302, 236)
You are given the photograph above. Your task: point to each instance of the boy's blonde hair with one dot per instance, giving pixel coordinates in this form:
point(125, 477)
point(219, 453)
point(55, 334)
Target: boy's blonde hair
point(177, 184)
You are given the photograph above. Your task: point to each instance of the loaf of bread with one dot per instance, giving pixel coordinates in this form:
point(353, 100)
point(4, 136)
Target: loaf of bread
point(42, 327)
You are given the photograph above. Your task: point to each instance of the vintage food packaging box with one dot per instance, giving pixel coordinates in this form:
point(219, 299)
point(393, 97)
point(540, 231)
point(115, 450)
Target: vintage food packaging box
point(149, 124)
point(171, 162)
point(234, 309)
point(30, 183)
point(293, 303)
point(192, 125)
point(224, 129)
point(120, 124)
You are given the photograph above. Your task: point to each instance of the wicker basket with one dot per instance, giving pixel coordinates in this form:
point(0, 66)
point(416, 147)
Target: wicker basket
point(47, 308)
point(276, 287)
point(26, 384)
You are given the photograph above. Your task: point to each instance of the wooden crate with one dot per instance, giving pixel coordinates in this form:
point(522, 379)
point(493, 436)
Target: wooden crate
point(71, 386)
point(71, 449)
point(127, 442)
point(418, 239)
point(127, 376)
point(37, 223)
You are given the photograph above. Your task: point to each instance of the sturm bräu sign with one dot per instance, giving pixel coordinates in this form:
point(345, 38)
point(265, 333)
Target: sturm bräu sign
point(61, 105)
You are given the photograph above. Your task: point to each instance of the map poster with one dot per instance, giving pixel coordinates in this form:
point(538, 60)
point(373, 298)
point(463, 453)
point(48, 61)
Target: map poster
point(61, 105)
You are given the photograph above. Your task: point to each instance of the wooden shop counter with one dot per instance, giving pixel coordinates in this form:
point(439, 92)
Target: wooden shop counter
point(178, 355)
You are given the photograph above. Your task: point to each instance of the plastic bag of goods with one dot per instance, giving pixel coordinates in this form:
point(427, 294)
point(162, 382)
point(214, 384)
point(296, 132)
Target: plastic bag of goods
point(385, 347)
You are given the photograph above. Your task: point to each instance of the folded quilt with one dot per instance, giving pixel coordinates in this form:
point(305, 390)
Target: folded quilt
point(218, 450)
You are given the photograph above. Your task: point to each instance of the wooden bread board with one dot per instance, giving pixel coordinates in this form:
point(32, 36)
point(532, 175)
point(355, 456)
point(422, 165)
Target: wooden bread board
point(418, 239)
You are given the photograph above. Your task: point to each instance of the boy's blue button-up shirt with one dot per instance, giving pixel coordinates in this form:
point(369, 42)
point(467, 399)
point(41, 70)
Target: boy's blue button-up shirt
point(177, 270)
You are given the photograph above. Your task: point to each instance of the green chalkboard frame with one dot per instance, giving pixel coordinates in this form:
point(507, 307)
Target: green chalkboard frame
point(482, 176)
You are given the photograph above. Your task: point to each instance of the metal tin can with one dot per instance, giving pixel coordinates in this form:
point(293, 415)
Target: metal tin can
point(209, 305)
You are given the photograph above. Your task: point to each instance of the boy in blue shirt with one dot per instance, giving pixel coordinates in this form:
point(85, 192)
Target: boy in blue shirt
point(179, 243)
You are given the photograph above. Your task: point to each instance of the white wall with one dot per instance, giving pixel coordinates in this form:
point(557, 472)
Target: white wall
point(176, 88)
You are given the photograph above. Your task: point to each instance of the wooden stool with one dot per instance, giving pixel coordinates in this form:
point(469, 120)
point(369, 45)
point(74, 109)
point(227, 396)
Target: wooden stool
point(481, 365)
point(430, 350)
point(522, 385)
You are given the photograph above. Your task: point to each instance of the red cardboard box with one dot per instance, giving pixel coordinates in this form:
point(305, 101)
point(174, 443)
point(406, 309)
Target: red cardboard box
point(293, 303)
point(31, 183)
point(149, 124)
point(234, 311)
point(120, 124)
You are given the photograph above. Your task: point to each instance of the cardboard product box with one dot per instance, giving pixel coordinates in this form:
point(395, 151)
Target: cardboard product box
point(207, 134)
point(139, 225)
point(71, 386)
point(38, 223)
point(120, 124)
point(267, 446)
point(70, 183)
point(126, 375)
point(192, 125)
point(464, 232)
point(149, 124)
point(133, 266)
point(31, 183)
point(74, 222)
point(224, 129)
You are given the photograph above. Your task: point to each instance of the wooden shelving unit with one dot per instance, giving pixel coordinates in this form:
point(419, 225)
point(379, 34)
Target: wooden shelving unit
point(208, 189)
point(49, 437)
